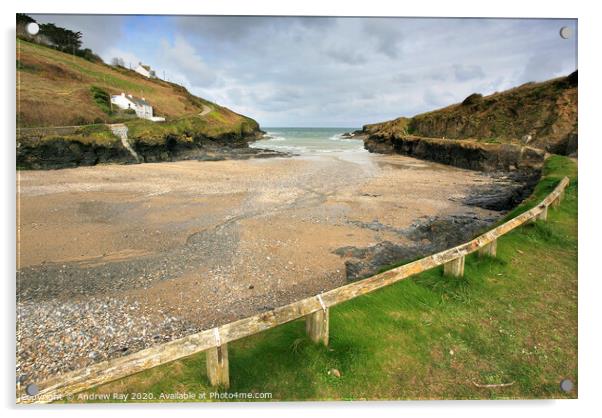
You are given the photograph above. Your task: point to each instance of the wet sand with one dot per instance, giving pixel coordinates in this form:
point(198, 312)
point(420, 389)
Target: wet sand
point(112, 259)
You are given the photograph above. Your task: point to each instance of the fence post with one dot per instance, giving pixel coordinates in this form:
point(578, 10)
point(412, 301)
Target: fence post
point(316, 326)
point(489, 249)
point(217, 366)
point(543, 215)
point(454, 268)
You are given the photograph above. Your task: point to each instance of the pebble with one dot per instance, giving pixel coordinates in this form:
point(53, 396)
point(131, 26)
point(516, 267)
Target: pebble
point(58, 336)
point(334, 372)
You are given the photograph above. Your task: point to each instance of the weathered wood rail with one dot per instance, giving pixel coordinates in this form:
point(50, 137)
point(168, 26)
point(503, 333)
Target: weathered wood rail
point(315, 309)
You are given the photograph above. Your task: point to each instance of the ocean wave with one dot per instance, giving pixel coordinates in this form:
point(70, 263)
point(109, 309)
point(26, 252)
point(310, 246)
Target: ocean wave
point(340, 150)
point(309, 142)
point(274, 136)
point(339, 137)
point(291, 148)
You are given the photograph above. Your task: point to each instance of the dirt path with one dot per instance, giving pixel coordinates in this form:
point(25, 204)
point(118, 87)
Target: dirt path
point(121, 131)
point(206, 110)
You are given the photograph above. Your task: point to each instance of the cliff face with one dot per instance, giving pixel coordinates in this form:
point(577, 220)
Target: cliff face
point(464, 154)
point(541, 115)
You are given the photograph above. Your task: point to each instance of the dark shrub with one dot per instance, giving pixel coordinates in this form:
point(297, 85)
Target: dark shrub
point(474, 98)
point(102, 99)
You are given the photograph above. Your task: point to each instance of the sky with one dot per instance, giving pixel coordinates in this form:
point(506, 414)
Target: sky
point(328, 71)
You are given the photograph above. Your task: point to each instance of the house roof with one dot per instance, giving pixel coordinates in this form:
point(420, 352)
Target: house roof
point(139, 101)
point(133, 99)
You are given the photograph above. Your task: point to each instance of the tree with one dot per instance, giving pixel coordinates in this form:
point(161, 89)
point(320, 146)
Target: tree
point(54, 36)
point(23, 19)
point(63, 39)
point(118, 62)
point(88, 54)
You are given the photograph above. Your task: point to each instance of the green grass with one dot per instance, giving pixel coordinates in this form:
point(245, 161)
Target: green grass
point(102, 99)
point(26, 67)
point(555, 169)
point(59, 89)
point(502, 117)
point(98, 134)
point(212, 126)
point(509, 319)
point(99, 72)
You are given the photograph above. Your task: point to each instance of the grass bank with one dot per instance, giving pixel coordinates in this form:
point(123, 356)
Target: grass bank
point(100, 135)
point(509, 320)
point(58, 89)
point(213, 126)
point(502, 117)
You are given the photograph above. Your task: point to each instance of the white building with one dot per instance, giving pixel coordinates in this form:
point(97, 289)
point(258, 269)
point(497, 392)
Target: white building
point(142, 108)
point(145, 70)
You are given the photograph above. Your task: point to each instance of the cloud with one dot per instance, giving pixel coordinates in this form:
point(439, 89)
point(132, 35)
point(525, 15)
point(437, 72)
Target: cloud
point(435, 98)
point(404, 78)
point(347, 56)
point(468, 72)
point(327, 71)
point(542, 66)
point(98, 31)
point(184, 63)
point(223, 28)
point(387, 35)
point(129, 59)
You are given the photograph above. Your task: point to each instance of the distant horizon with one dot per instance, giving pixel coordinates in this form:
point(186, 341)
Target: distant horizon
point(310, 127)
point(284, 70)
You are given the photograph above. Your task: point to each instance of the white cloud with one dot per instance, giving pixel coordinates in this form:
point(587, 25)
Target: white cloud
point(468, 72)
point(293, 71)
point(183, 62)
point(129, 58)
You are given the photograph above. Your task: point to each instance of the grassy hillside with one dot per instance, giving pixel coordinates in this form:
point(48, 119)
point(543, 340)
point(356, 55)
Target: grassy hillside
point(56, 89)
point(512, 319)
point(547, 112)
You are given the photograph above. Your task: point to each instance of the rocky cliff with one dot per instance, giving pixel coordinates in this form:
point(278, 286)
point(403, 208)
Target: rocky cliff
point(540, 115)
point(471, 155)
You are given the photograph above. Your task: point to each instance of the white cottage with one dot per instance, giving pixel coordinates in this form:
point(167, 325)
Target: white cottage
point(145, 70)
point(142, 108)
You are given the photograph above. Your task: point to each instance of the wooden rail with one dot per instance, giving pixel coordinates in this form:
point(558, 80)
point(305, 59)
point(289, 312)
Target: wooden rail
point(314, 309)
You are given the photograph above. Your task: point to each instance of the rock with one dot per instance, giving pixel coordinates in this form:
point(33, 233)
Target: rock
point(427, 237)
point(61, 153)
point(474, 98)
point(37, 152)
point(334, 372)
point(472, 155)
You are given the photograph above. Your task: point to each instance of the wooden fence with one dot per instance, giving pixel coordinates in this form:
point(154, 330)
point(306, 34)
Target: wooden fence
point(315, 309)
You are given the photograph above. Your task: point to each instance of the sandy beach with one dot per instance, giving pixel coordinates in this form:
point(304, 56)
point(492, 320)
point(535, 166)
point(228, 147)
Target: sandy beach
point(119, 257)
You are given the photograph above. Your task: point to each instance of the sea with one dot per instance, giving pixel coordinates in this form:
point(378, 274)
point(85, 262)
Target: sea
point(310, 141)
